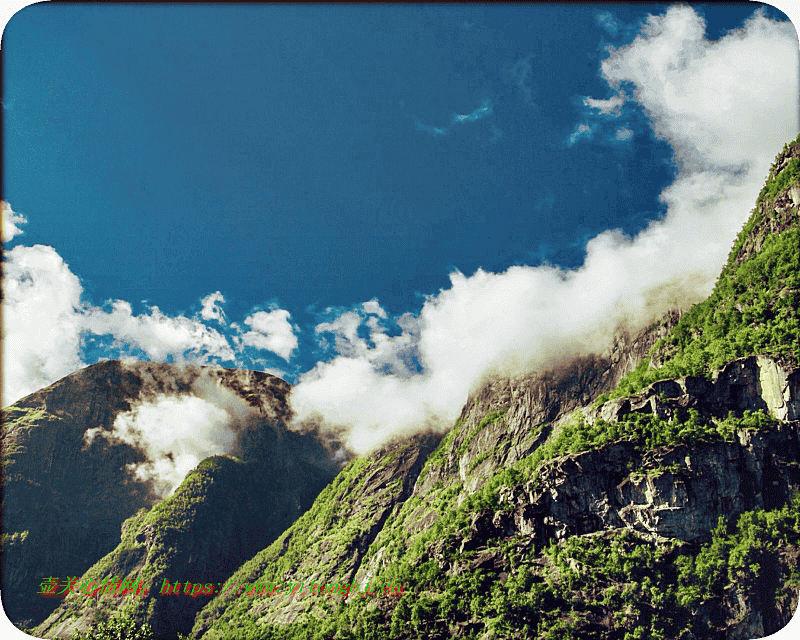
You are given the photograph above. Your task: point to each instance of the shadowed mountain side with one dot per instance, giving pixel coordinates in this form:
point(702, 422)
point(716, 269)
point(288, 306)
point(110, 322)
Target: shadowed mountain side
point(64, 499)
point(328, 543)
point(222, 514)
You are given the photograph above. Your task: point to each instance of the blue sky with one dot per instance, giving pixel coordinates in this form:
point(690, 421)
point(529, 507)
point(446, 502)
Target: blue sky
point(409, 196)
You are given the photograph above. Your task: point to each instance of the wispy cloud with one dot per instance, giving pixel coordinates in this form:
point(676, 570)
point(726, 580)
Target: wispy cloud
point(481, 112)
point(581, 131)
point(486, 109)
point(521, 72)
point(608, 22)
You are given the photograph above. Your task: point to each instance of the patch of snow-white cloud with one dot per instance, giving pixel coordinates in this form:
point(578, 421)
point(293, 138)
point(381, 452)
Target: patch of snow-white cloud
point(42, 320)
point(211, 307)
point(10, 220)
point(271, 331)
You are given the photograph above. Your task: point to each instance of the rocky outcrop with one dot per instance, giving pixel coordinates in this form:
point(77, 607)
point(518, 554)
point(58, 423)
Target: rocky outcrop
point(677, 492)
point(525, 408)
point(754, 383)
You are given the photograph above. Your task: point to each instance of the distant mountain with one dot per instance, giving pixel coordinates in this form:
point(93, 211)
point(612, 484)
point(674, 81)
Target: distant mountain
point(65, 496)
point(649, 492)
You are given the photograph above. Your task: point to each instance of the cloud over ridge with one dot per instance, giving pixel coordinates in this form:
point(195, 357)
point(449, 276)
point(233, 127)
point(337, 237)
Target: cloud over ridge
point(724, 117)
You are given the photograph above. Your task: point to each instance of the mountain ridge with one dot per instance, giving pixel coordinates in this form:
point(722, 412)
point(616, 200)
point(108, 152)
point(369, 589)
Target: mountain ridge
point(652, 491)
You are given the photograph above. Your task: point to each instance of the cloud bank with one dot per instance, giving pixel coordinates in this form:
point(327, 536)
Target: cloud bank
point(725, 107)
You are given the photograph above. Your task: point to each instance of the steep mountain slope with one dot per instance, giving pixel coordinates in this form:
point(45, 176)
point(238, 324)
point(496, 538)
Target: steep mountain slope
point(65, 494)
point(665, 510)
point(648, 492)
point(221, 515)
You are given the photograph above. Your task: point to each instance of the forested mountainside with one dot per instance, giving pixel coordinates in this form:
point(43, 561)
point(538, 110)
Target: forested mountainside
point(65, 496)
point(648, 493)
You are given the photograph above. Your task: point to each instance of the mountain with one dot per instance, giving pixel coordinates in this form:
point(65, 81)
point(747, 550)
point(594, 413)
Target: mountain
point(649, 492)
point(66, 495)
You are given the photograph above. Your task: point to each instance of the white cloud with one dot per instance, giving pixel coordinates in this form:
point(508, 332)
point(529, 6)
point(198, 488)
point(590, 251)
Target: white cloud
point(726, 107)
point(159, 336)
point(345, 330)
point(272, 332)
point(699, 93)
point(41, 320)
point(623, 133)
point(373, 306)
point(10, 222)
point(581, 131)
point(175, 433)
point(612, 106)
point(211, 309)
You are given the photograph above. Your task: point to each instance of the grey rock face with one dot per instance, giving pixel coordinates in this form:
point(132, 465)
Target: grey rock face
point(754, 383)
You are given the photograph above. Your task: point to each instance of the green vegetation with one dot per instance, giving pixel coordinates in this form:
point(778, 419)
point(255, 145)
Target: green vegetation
point(788, 176)
point(645, 589)
point(11, 539)
point(752, 310)
point(118, 628)
point(490, 418)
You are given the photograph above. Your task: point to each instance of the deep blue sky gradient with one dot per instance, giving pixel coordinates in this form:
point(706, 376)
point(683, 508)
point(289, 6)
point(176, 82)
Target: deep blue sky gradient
point(309, 156)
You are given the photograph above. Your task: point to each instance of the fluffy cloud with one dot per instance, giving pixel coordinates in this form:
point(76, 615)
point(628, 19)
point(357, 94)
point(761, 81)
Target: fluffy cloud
point(726, 108)
point(271, 331)
point(612, 106)
point(699, 93)
point(159, 336)
point(10, 222)
point(374, 307)
point(211, 309)
point(175, 433)
point(41, 320)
